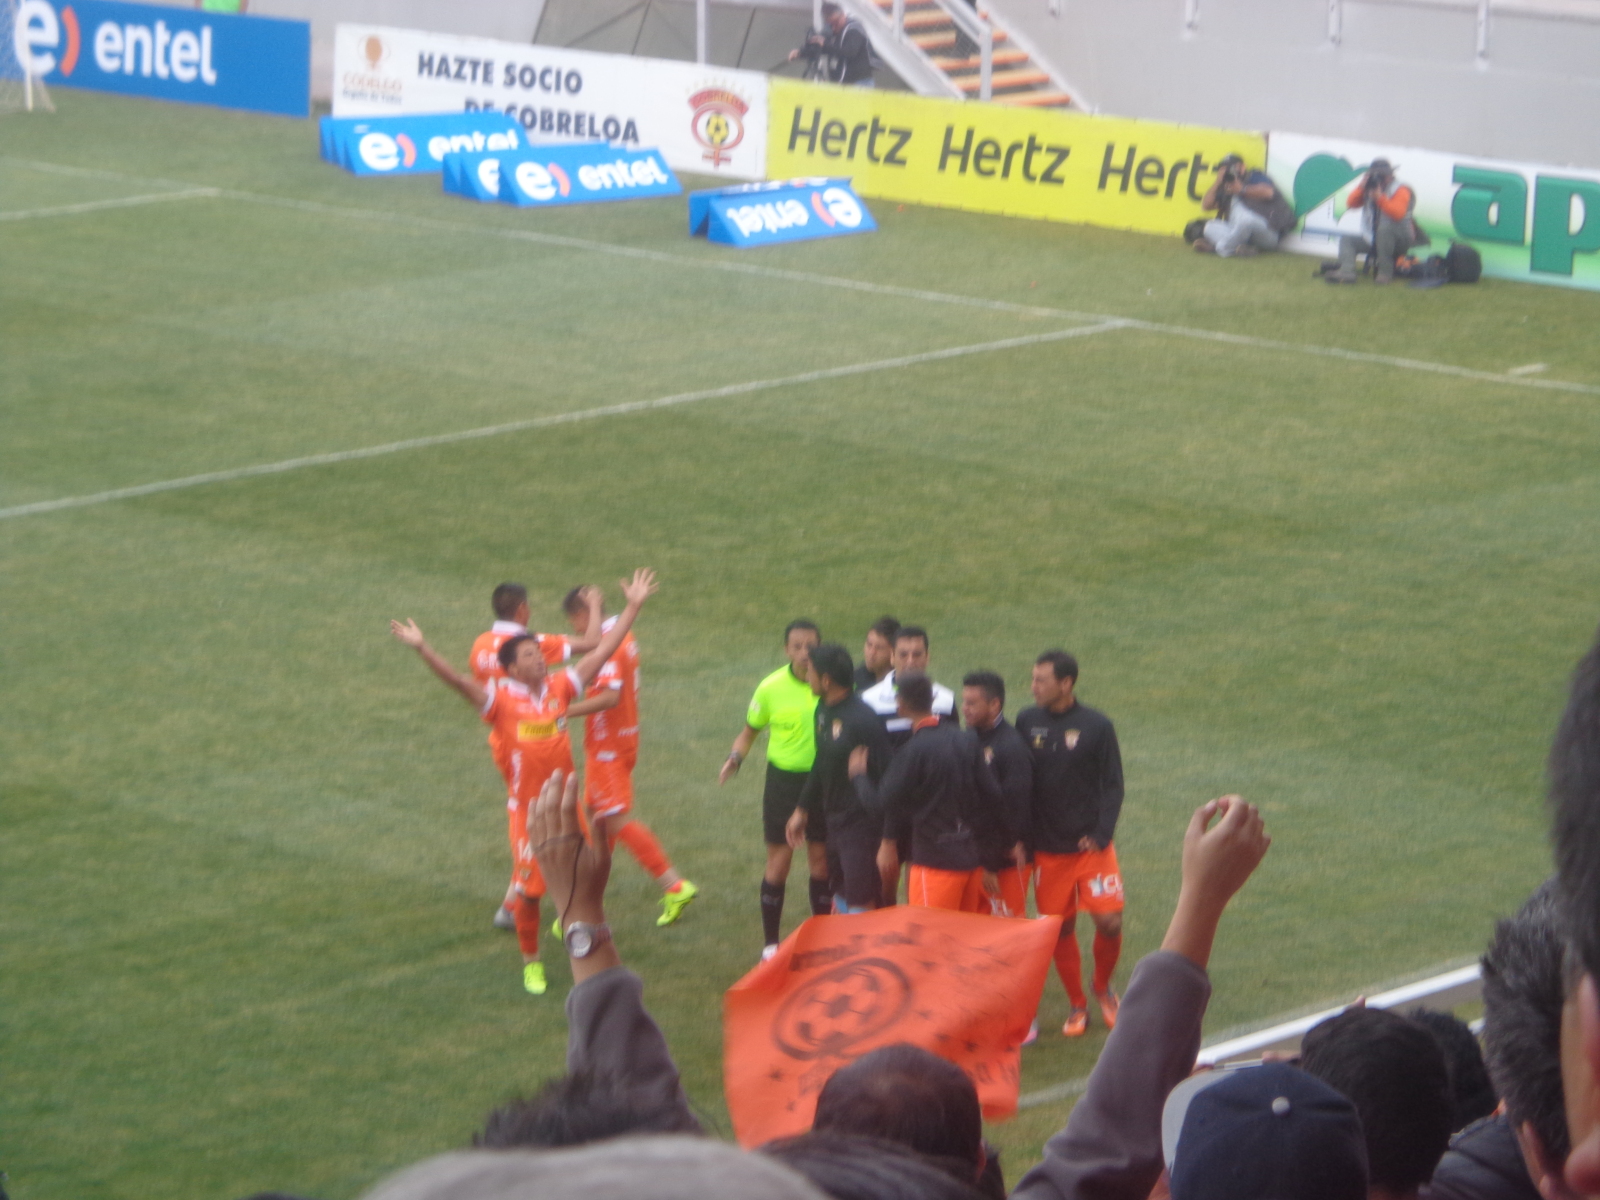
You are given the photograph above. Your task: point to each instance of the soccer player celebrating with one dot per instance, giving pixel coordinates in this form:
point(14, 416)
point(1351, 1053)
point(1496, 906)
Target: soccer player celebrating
point(611, 748)
point(843, 723)
point(1077, 796)
point(910, 654)
point(1001, 834)
point(785, 704)
point(510, 605)
point(528, 709)
point(877, 655)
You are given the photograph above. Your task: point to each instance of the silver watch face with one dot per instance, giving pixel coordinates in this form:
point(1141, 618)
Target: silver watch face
point(579, 942)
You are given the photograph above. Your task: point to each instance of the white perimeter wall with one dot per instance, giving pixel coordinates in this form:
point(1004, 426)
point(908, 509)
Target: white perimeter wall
point(1405, 72)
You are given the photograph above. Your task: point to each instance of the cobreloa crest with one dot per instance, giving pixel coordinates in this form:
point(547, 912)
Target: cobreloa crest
point(791, 210)
point(414, 145)
point(585, 174)
point(258, 63)
point(717, 123)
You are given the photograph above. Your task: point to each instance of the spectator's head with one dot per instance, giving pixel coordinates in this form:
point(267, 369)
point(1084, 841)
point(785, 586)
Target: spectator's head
point(662, 1168)
point(578, 1108)
point(830, 668)
point(854, 1167)
point(575, 607)
point(522, 659)
point(910, 649)
point(1575, 798)
point(510, 603)
point(833, 16)
point(1472, 1095)
point(1394, 1072)
point(983, 699)
point(908, 1095)
point(913, 694)
point(800, 637)
point(1055, 675)
point(1523, 991)
point(877, 655)
point(1262, 1133)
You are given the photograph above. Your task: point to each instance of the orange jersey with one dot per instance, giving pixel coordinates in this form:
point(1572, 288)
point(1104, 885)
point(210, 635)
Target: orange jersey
point(485, 663)
point(615, 731)
point(532, 727)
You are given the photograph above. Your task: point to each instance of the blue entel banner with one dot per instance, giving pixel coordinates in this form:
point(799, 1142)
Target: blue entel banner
point(584, 174)
point(787, 210)
point(258, 63)
point(414, 145)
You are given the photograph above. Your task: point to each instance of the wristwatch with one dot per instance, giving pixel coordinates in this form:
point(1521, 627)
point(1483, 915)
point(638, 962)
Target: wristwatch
point(583, 939)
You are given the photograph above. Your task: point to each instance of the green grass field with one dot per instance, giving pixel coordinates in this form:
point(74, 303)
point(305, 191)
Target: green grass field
point(250, 849)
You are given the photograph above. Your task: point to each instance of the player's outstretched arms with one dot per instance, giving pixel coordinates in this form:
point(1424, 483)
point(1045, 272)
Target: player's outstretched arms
point(1216, 863)
point(470, 689)
point(637, 591)
point(609, 698)
point(575, 867)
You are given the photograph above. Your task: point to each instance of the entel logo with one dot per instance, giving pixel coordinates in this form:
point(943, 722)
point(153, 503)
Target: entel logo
point(118, 48)
point(832, 205)
point(381, 152)
point(541, 180)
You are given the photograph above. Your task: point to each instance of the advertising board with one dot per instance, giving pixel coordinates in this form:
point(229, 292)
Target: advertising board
point(1533, 223)
point(413, 145)
point(257, 63)
point(547, 176)
point(1116, 172)
point(710, 120)
point(786, 210)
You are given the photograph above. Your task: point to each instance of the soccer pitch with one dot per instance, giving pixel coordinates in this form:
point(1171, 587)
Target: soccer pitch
point(1337, 560)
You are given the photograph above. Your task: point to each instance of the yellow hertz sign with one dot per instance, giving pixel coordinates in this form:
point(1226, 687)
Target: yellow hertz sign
point(1111, 171)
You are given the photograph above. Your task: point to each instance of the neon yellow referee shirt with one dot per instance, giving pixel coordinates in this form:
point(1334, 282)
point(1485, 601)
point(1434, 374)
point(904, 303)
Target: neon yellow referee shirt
point(788, 706)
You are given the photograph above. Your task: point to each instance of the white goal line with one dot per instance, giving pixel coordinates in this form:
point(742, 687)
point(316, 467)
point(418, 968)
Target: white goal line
point(67, 210)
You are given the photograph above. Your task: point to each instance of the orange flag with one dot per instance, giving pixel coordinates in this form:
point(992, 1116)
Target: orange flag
point(961, 985)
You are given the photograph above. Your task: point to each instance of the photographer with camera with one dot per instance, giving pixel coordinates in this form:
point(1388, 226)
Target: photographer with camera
point(1387, 229)
point(839, 53)
point(1251, 213)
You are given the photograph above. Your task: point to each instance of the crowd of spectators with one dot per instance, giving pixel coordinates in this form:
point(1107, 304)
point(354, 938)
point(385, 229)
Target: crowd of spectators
point(1377, 1105)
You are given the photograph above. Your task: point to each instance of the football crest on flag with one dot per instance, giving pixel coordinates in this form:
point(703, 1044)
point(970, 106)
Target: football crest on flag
point(1071, 739)
point(961, 985)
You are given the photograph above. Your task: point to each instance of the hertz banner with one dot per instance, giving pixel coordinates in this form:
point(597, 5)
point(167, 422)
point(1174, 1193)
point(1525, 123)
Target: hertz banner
point(1116, 172)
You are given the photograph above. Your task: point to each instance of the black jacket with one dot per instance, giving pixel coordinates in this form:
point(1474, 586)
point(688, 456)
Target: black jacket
point(1483, 1162)
point(935, 789)
point(1002, 828)
point(840, 729)
point(1077, 777)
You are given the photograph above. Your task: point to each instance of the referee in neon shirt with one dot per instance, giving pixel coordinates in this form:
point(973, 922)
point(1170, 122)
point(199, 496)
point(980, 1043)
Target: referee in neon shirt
point(785, 704)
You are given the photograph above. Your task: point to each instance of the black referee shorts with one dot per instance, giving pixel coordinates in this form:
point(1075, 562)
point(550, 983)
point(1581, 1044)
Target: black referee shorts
point(778, 802)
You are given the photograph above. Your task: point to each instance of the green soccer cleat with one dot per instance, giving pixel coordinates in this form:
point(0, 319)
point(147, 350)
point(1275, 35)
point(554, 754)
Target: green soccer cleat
point(673, 903)
point(555, 928)
point(533, 981)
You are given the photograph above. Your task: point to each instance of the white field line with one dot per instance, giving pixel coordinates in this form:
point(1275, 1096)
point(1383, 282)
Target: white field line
point(67, 210)
point(1444, 991)
point(746, 267)
point(567, 418)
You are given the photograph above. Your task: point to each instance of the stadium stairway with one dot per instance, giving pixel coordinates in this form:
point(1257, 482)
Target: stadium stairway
point(946, 39)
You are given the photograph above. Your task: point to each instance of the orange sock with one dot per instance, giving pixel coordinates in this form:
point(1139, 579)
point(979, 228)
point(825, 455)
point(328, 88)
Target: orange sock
point(1106, 952)
point(527, 915)
point(642, 844)
point(1069, 962)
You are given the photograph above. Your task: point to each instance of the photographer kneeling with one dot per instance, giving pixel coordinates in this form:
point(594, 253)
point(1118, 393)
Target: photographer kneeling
point(841, 53)
point(1251, 212)
point(1386, 223)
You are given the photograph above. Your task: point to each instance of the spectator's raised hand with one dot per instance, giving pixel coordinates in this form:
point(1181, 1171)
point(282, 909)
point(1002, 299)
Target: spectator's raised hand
point(575, 867)
point(1217, 859)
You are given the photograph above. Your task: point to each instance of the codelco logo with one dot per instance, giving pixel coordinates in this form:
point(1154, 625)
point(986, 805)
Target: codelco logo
point(46, 41)
point(386, 152)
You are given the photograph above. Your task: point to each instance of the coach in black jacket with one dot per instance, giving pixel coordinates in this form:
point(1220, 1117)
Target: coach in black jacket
point(937, 790)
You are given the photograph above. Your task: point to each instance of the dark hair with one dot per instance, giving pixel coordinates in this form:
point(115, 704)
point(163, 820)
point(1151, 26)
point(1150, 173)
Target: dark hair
point(1523, 991)
point(829, 8)
point(1065, 666)
point(832, 661)
point(916, 689)
point(1471, 1093)
point(885, 627)
point(906, 632)
point(908, 1095)
point(507, 598)
point(990, 682)
point(1575, 796)
point(1394, 1072)
point(1194, 230)
point(507, 654)
point(573, 602)
point(578, 1108)
point(851, 1167)
point(799, 623)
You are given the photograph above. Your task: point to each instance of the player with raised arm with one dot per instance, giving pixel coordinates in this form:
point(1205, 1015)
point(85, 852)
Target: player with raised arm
point(528, 708)
point(509, 603)
point(611, 749)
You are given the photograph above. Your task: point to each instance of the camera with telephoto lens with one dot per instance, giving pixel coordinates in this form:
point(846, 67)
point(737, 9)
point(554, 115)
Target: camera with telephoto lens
point(815, 46)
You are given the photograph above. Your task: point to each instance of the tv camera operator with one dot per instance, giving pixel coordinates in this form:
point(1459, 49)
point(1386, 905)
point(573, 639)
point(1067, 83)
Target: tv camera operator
point(1387, 229)
point(1251, 213)
point(841, 52)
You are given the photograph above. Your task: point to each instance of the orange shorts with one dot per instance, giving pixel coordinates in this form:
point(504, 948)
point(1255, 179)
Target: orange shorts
point(930, 887)
point(1013, 898)
point(525, 876)
point(1065, 881)
point(608, 783)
